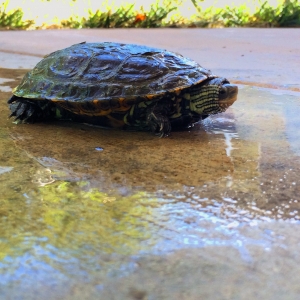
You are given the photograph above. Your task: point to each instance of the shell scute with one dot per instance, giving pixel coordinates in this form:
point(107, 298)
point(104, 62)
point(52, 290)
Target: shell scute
point(110, 71)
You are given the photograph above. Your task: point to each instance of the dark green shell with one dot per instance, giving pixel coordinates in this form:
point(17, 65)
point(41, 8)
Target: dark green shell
point(109, 73)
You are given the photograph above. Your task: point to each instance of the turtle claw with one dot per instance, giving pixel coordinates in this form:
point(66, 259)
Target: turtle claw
point(14, 107)
point(11, 99)
point(164, 129)
point(159, 124)
point(21, 110)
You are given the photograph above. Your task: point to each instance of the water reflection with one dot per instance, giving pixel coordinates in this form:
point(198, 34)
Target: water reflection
point(227, 182)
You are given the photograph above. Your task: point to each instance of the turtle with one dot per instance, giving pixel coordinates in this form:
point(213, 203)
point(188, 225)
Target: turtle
point(120, 85)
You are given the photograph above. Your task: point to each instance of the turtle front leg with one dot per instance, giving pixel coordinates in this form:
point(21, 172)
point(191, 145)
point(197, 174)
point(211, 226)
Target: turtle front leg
point(28, 111)
point(158, 120)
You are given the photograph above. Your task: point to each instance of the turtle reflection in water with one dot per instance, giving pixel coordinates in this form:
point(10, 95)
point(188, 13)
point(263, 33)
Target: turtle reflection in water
point(123, 86)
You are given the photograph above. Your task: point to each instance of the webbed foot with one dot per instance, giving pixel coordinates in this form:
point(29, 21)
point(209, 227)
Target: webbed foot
point(25, 110)
point(158, 122)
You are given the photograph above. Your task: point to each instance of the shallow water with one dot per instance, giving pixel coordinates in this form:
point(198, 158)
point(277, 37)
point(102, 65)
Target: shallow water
point(92, 211)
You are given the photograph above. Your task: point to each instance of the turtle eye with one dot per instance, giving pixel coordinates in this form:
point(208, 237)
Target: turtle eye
point(222, 91)
point(225, 81)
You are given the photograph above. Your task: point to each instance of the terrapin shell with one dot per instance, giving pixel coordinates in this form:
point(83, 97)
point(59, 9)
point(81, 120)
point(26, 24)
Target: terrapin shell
point(109, 71)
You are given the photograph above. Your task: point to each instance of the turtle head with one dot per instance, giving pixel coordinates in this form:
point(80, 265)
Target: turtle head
point(214, 96)
point(227, 93)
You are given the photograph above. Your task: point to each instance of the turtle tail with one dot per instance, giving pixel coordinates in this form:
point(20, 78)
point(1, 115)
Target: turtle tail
point(27, 111)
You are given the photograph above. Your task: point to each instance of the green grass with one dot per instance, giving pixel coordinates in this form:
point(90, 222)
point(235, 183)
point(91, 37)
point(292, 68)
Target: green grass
point(125, 17)
point(286, 14)
point(12, 19)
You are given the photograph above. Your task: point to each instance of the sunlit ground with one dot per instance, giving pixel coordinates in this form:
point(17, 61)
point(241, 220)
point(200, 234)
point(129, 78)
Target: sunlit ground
point(50, 12)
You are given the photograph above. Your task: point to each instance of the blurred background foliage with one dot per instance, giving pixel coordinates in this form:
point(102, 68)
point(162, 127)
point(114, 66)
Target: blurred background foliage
point(13, 19)
point(48, 14)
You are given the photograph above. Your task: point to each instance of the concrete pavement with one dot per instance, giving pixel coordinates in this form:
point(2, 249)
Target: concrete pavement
point(261, 57)
point(221, 219)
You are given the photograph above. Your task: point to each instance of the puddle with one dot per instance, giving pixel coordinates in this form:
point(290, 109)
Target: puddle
point(82, 208)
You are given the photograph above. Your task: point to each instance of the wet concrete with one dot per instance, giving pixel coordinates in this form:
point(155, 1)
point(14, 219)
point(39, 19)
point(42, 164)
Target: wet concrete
point(131, 215)
point(209, 213)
